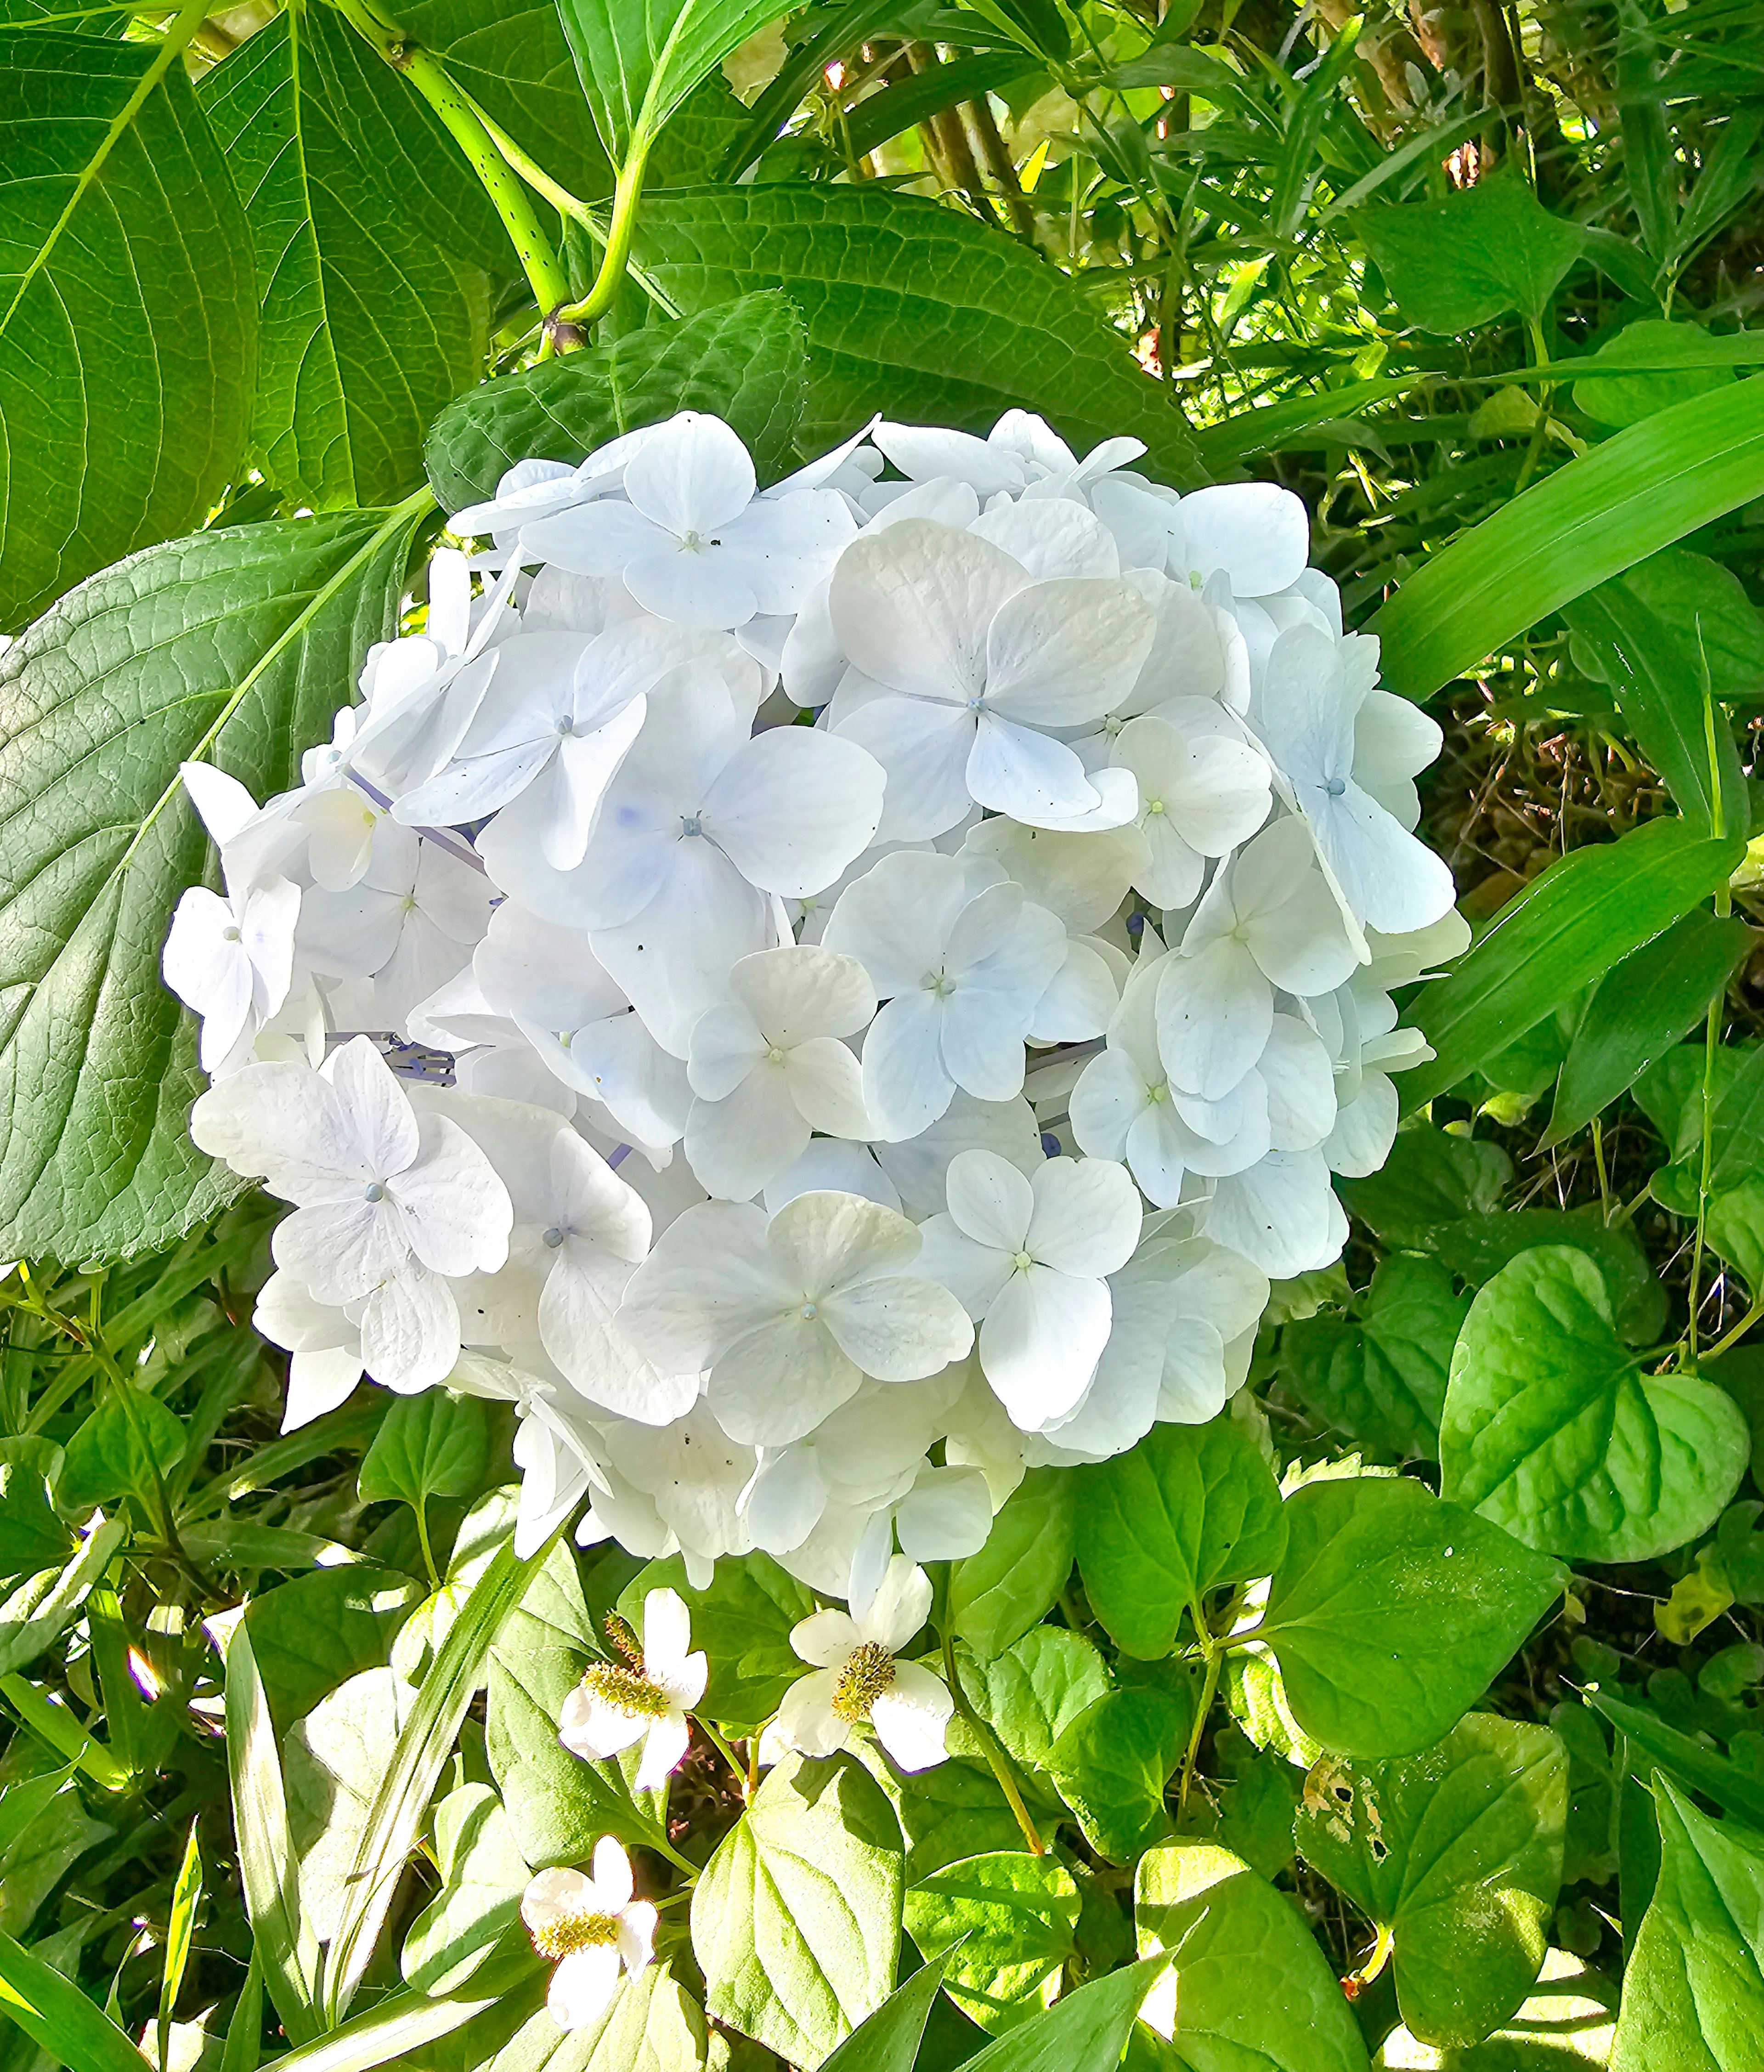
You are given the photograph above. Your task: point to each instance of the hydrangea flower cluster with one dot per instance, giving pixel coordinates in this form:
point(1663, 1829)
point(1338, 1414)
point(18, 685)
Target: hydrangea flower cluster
point(822, 996)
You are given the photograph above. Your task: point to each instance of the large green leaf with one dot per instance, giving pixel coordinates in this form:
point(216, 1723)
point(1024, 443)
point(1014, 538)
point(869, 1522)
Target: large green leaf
point(1693, 1763)
point(1013, 1916)
point(1380, 1378)
point(128, 316)
point(996, 1595)
point(1111, 1765)
point(912, 310)
point(1393, 1612)
point(1248, 1986)
point(1640, 1009)
point(58, 2016)
point(237, 646)
point(795, 1919)
point(640, 59)
point(1191, 1507)
point(1451, 265)
point(1693, 1992)
point(1456, 1854)
point(743, 362)
point(1569, 927)
point(1638, 492)
point(1035, 1689)
point(369, 326)
point(1552, 1430)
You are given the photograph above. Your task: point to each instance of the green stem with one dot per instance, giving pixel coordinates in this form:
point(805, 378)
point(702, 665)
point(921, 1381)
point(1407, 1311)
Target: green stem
point(1383, 1938)
point(534, 174)
point(1209, 1690)
point(616, 256)
point(739, 1769)
point(1735, 1333)
point(545, 276)
point(994, 1755)
point(423, 1541)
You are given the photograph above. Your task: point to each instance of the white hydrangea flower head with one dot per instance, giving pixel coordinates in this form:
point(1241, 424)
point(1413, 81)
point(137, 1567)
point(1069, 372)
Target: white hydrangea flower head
point(820, 996)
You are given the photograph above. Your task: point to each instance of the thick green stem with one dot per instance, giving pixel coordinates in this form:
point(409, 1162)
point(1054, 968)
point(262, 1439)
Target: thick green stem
point(545, 275)
point(1209, 1690)
point(617, 254)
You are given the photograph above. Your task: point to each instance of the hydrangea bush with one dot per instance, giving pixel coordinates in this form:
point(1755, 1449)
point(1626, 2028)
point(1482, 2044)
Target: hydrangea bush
point(825, 997)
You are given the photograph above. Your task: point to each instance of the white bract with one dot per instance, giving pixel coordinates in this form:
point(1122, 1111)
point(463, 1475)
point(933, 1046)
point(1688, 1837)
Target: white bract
point(592, 1929)
point(830, 994)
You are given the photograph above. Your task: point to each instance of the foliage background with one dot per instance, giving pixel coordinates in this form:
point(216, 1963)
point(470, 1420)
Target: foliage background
point(254, 267)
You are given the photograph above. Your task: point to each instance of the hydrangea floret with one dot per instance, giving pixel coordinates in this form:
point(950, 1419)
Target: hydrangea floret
point(822, 996)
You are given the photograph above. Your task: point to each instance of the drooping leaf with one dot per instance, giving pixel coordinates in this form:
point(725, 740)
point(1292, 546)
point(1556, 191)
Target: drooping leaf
point(436, 1444)
point(996, 1595)
point(128, 314)
point(236, 646)
point(911, 309)
point(651, 2024)
point(796, 1917)
point(369, 326)
point(1453, 264)
point(640, 59)
point(1393, 1612)
point(1191, 1507)
point(1693, 1992)
point(1248, 1984)
point(1380, 1377)
point(1112, 1762)
point(1640, 1009)
point(1014, 1916)
point(742, 362)
point(1456, 1854)
point(1644, 489)
point(1552, 1430)
point(1571, 925)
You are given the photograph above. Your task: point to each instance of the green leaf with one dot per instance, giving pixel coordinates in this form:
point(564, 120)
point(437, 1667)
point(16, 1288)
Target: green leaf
point(1085, 2031)
point(1570, 926)
point(742, 1619)
point(128, 316)
point(1627, 399)
point(1476, 1248)
point(1380, 1379)
point(1190, 1508)
point(996, 1595)
point(558, 1804)
point(1393, 1612)
point(743, 362)
point(312, 1633)
point(106, 1457)
point(1641, 1009)
point(1552, 1430)
point(1030, 1694)
point(58, 2016)
point(1248, 1986)
point(483, 1874)
point(1453, 264)
point(1634, 493)
point(1257, 1794)
point(1112, 1763)
point(1432, 1176)
point(368, 327)
point(31, 1536)
point(1693, 1992)
point(1696, 1765)
point(1565, 2024)
point(1658, 671)
point(237, 646)
point(912, 310)
point(796, 1917)
point(436, 1444)
point(651, 2025)
point(282, 1938)
point(1456, 1854)
point(951, 1811)
point(640, 59)
point(38, 1610)
point(1687, 590)
point(888, 2040)
point(180, 1930)
point(393, 1818)
point(395, 2030)
point(1013, 1916)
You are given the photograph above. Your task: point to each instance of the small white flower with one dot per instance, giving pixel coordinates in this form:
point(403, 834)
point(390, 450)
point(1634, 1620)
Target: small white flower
point(646, 1697)
point(592, 1929)
point(1196, 799)
point(858, 1677)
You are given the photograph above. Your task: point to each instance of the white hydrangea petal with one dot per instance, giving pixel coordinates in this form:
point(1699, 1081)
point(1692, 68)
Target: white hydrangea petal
point(1042, 1336)
point(1087, 1217)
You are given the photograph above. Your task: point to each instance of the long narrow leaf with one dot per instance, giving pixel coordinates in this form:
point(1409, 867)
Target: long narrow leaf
point(395, 1817)
point(399, 2027)
point(1626, 499)
point(57, 2017)
point(1086, 2031)
point(283, 1940)
point(888, 2040)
